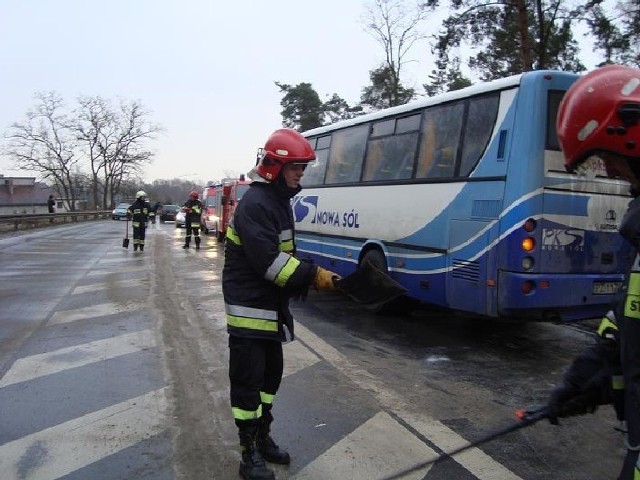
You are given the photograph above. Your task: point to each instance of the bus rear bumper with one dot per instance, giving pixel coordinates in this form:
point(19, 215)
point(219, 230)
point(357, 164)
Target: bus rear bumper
point(557, 297)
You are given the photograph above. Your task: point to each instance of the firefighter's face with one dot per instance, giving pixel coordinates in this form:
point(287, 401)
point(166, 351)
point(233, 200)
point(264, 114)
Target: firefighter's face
point(292, 173)
point(618, 166)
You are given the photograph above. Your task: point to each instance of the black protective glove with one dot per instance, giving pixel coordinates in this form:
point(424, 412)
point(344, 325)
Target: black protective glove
point(300, 294)
point(568, 401)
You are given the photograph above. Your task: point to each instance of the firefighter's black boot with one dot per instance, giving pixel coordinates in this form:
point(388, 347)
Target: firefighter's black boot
point(252, 466)
point(187, 241)
point(135, 247)
point(142, 247)
point(197, 243)
point(269, 450)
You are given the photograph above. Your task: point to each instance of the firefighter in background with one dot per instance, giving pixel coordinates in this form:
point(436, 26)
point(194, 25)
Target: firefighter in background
point(192, 210)
point(138, 212)
point(260, 274)
point(600, 116)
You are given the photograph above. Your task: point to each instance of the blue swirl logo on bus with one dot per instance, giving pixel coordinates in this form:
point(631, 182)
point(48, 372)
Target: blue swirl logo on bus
point(307, 206)
point(563, 239)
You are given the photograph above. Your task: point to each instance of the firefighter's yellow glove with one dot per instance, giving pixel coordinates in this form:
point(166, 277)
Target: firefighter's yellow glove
point(325, 279)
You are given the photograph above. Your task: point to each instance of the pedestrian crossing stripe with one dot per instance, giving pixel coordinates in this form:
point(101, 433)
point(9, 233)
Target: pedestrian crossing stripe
point(48, 363)
point(62, 449)
point(99, 310)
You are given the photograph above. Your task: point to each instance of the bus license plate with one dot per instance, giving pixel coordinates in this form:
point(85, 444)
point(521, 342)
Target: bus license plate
point(605, 288)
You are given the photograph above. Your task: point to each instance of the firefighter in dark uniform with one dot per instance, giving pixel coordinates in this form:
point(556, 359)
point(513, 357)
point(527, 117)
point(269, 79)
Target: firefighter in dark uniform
point(260, 274)
point(600, 116)
point(192, 209)
point(138, 212)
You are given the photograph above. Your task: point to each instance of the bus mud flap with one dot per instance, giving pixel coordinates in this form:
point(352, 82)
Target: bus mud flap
point(370, 286)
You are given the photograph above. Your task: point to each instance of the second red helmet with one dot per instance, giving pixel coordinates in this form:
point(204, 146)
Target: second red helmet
point(284, 146)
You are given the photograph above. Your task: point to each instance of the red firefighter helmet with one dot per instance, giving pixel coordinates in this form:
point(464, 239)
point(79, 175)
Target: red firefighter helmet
point(601, 112)
point(283, 146)
point(193, 195)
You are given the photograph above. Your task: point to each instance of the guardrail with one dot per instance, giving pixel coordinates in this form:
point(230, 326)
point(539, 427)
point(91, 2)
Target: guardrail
point(30, 221)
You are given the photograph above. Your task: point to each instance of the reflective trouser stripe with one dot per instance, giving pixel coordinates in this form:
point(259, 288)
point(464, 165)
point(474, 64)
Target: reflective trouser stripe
point(266, 398)
point(240, 414)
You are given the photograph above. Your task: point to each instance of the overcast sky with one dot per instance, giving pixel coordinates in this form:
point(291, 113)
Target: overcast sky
point(205, 69)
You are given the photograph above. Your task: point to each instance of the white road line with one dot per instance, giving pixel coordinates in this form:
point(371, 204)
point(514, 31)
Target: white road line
point(358, 454)
point(297, 357)
point(112, 271)
point(96, 287)
point(70, 446)
point(474, 460)
point(102, 309)
point(35, 366)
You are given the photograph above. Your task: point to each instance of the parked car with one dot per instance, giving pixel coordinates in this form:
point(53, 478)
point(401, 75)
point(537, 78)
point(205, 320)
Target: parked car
point(120, 212)
point(168, 213)
point(181, 219)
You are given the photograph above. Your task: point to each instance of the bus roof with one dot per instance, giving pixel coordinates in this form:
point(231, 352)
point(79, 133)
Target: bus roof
point(478, 88)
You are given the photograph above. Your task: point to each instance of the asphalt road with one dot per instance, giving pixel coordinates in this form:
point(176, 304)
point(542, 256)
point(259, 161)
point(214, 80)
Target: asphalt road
point(113, 365)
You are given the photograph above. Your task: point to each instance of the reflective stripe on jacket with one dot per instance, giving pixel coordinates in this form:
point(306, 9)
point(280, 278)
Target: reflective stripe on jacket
point(260, 270)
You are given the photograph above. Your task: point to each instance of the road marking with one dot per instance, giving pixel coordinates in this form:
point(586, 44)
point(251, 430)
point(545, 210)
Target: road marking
point(96, 287)
point(358, 454)
point(474, 460)
point(113, 271)
point(42, 364)
point(100, 310)
point(297, 357)
point(57, 451)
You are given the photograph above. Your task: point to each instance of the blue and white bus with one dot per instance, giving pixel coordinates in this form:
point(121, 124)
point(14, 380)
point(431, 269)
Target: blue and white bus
point(463, 198)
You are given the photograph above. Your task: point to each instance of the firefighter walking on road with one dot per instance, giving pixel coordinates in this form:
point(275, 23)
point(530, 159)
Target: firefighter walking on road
point(260, 274)
point(192, 210)
point(599, 118)
point(138, 212)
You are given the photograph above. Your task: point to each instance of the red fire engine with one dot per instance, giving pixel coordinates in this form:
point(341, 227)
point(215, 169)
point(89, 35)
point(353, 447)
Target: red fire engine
point(220, 201)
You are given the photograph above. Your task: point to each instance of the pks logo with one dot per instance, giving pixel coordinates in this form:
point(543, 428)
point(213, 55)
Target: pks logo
point(303, 206)
point(561, 239)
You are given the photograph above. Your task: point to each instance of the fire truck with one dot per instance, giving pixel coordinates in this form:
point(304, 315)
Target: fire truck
point(219, 202)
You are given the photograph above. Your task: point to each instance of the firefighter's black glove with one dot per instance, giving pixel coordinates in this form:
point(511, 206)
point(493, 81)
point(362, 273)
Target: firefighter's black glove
point(300, 294)
point(568, 401)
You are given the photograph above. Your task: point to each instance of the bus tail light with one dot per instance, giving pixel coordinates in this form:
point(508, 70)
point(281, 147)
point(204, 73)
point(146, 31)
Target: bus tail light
point(528, 287)
point(528, 244)
point(530, 225)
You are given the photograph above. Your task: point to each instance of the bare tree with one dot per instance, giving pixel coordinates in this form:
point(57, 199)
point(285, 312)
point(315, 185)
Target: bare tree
point(114, 141)
point(45, 143)
point(395, 26)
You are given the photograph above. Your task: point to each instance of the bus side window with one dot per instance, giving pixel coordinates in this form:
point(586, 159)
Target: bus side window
point(347, 154)
point(314, 173)
point(391, 158)
point(478, 128)
point(440, 141)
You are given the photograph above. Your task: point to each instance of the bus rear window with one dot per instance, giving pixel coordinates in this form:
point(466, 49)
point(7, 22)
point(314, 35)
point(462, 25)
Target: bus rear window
point(553, 103)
